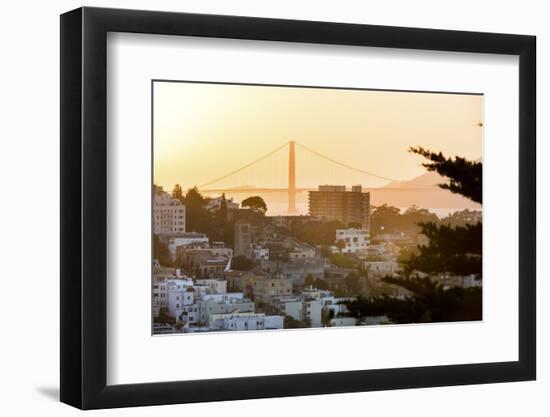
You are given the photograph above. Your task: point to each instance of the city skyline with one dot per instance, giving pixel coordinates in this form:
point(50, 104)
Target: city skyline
point(313, 208)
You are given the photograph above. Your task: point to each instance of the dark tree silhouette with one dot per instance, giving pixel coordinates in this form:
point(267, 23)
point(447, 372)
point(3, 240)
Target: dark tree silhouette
point(340, 244)
point(388, 219)
point(462, 218)
point(161, 252)
point(291, 323)
point(157, 189)
point(429, 302)
point(316, 232)
point(242, 263)
point(322, 284)
point(194, 198)
point(255, 202)
point(309, 280)
point(464, 176)
point(198, 218)
point(177, 192)
point(353, 284)
point(454, 249)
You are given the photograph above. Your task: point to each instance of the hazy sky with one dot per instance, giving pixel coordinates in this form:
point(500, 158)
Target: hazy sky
point(203, 131)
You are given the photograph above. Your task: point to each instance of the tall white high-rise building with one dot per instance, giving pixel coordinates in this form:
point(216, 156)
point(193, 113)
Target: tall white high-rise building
point(168, 215)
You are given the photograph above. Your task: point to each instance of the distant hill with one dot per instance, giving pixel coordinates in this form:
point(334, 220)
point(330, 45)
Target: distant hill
point(422, 191)
point(429, 179)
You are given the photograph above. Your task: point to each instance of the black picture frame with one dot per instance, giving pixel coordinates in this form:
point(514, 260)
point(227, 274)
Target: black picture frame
point(84, 207)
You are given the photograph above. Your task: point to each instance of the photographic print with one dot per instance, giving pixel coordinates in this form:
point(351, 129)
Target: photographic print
point(291, 207)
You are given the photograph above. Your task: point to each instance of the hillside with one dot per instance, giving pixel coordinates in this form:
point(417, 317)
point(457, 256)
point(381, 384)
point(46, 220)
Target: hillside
point(422, 191)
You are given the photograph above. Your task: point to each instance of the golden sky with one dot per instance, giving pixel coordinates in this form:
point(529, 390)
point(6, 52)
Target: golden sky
point(203, 131)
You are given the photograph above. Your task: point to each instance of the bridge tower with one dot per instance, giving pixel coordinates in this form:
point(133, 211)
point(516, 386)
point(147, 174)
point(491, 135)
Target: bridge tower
point(291, 178)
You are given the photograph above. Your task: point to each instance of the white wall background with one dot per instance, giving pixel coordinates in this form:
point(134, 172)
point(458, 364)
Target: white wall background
point(29, 213)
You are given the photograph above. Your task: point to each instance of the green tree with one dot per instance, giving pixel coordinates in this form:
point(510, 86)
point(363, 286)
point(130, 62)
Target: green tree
point(406, 252)
point(315, 232)
point(177, 192)
point(450, 249)
point(326, 316)
point(309, 280)
point(242, 263)
point(413, 217)
point(352, 283)
point(194, 198)
point(157, 189)
point(456, 250)
point(464, 177)
point(343, 261)
point(428, 302)
point(388, 219)
point(462, 218)
point(161, 252)
point(322, 284)
point(255, 202)
point(291, 323)
point(198, 218)
point(340, 244)
point(164, 318)
point(385, 219)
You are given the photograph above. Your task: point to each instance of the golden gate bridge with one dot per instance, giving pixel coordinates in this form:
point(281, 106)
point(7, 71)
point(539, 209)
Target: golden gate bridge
point(291, 189)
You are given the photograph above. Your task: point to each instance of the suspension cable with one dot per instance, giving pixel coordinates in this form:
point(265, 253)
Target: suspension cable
point(267, 155)
point(342, 164)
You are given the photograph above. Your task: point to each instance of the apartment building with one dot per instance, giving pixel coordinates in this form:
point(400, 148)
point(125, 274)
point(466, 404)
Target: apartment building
point(355, 240)
point(334, 202)
point(168, 214)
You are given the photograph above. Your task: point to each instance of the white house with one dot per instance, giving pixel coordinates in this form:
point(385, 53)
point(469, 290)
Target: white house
point(300, 308)
point(163, 273)
point(312, 311)
point(180, 296)
point(380, 268)
point(290, 306)
point(260, 253)
point(210, 307)
point(273, 322)
point(186, 239)
point(336, 304)
point(215, 286)
point(355, 239)
point(342, 321)
point(237, 321)
point(160, 297)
